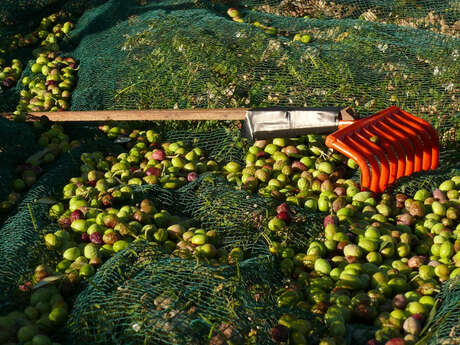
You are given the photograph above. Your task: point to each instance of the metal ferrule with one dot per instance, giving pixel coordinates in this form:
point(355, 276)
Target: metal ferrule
point(272, 123)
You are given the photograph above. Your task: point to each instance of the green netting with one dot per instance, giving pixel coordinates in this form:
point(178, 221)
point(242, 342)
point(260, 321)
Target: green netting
point(241, 216)
point(189, 53)
point(21, 242)
point(198, 57)
point(24, 11)
point(143, 297)
point(429, 180)
point(222, 144)
point(439, 16)
point(444, 328)
point(16, 145)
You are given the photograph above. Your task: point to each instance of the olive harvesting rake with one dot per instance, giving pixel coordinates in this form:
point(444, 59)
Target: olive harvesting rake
point(386, 146)
point(401, 142)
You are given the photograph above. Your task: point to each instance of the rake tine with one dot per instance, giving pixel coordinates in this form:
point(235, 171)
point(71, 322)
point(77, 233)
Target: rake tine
point(405, 143)
point(341, 145)
point(413, 137)
point(425, 137)
point(432, 133)
point(359, 146)
point(376, 150)
point(397, 159)
point(388, 152)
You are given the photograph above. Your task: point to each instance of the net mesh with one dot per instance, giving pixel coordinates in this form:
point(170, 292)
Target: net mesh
point(143, 296)
point(222, 144)
point(429, 180)
point(21, 236)
point(21, 244)
point(238, 216)
point(410, 13)
point(214, 62)
point(16, 145)
point(444, 327)
point(199, 57)
point(231, 212)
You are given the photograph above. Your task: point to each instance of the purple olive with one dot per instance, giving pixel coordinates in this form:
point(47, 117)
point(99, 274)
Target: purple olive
point(7, 82)
point(85, 237)
point(192, 176)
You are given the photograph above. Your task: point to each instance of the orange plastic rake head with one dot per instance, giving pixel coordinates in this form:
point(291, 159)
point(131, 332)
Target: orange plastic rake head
point(388, 145)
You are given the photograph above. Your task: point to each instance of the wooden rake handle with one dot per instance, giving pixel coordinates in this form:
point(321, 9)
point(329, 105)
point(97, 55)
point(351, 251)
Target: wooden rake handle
point(139, 115)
